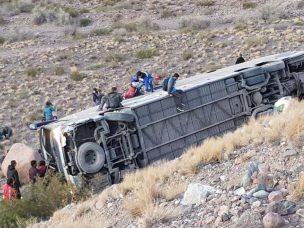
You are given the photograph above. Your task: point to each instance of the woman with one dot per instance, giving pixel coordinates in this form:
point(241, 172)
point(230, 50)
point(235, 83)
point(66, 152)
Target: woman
point(41, 169)
point(48, 111)
point(131, 91)
point(9, 192)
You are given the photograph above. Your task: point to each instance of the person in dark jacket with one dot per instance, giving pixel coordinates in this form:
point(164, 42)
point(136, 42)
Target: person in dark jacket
point(240, 59)
point(41, 169)
point(13, 173)
point(176, 93)
point(111, 101)
point(96, 96)
point(33, 171)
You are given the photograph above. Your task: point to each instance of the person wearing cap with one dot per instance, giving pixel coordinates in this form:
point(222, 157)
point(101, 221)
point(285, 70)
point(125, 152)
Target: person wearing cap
point(111, 101)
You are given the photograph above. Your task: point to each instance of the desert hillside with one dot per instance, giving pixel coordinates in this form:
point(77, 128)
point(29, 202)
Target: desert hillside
point(108, 41)
point(63, 49)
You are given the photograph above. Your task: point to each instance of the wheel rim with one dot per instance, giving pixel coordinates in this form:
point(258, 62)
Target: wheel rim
point(90, 157)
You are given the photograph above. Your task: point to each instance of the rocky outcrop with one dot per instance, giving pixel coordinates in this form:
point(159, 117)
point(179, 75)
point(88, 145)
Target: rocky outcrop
point(23, 155)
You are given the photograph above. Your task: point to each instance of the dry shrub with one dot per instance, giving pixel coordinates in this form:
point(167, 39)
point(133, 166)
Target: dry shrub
point(297, 189)
point(155, 214)
point(194, 24)
point(205, 3)
point(88, 220)
point(172, 191)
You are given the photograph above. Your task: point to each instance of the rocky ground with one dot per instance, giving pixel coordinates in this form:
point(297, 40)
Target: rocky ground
point(36, 62)
point(237, 193)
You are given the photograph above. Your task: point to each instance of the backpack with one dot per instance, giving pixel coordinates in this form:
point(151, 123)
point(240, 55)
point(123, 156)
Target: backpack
point(165, 84)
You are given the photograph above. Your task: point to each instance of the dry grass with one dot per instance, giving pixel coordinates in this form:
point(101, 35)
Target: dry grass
point(297, 190)
point(172, 191)
point(158, 214)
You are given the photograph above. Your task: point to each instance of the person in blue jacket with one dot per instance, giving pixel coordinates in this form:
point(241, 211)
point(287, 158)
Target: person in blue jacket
point(147, 81)
point(48, 111)
point(176, 93)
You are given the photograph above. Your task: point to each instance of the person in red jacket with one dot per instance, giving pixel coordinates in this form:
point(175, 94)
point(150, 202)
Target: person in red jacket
point(131, 91)
point(9, 193)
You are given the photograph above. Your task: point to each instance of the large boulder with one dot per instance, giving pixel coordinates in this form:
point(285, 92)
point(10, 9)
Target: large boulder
point(23, 155)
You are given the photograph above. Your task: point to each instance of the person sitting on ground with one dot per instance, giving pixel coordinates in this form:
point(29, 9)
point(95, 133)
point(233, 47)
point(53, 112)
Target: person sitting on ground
point(176, 93)
point(41, 169)
point(48, 111)
point(111, 101)
point(9, 193)
point(13, 173)
point(131, 91)
point(33, 171)
point(6, 133)
point(147, 80)
point(240, 59)
point(96, 96)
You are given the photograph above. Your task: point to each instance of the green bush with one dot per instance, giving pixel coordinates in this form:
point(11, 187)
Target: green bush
point(59, 70)
point(16, 7)
point(2, 21)
point(146, 53)
point(114, 58)
point(2, 40)
point(83, 22)
point(165, 13)
point(72, 11)
point(110, 2)
point(205, 2)
point(101, 32)
point(77, 76)
point(31, 72)
point(39, 201)
point(194, 24)
point(249, 5)
point(187, 54)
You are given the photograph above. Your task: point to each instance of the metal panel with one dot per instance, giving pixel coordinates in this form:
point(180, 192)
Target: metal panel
point(210, 110)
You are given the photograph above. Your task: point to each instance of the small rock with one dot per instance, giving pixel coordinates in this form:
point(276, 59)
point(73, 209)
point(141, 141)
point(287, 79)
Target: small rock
point(273, 220)
point(300, 212)
point(283, 208)
point(275, 196)
point(290, 151)
point(260, 194)
point(240, 191)
point(256, 203)
point(222, 178)
point(196, 193)
point(223, 210)
point(249, 219)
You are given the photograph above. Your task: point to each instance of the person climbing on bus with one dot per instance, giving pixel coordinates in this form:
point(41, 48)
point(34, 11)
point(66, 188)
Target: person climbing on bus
point(96, 96)
point(176, 93)
point(147, 80)
point(111, 101)
point(48, 111)
point(240, 59)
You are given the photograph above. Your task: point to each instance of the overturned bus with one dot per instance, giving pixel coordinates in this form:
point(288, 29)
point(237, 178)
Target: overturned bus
point(100, 145)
